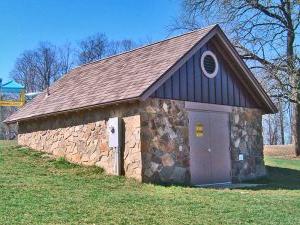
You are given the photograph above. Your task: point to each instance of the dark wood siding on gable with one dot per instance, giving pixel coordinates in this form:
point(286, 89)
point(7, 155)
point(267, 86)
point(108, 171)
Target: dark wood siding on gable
point(190, 84)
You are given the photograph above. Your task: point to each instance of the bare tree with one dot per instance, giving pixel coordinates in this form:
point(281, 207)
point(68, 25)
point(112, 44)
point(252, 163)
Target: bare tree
point(37, 69)
point(47, 66)
point(272, 134)
point(24, 71)
point(281, 122)
point(266, 33)
point(92, 48)
point(127, 45)
point(116, 47)
point(274, 125)
point(66, 58)
point(98, 46)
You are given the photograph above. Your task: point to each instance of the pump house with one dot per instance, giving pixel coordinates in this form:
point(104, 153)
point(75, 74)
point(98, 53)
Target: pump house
point(183, 110)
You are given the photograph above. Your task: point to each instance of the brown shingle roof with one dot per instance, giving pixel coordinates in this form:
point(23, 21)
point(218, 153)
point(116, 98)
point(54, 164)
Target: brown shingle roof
point(117, 78)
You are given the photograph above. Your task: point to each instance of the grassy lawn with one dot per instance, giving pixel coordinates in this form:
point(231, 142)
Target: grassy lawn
point(283, 163)
point(35, 189)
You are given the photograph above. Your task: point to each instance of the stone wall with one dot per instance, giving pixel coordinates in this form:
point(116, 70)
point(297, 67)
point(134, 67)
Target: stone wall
point(246, 138)
point(82, 137)
point(156, 140)
point(165, 138)
point(165, 149)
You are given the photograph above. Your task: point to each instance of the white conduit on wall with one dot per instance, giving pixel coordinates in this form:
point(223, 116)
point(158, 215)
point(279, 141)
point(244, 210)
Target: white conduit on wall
point(114, 126)
point(117, 163)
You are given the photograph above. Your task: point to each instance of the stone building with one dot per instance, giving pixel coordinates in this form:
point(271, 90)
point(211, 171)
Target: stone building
point(189, 109)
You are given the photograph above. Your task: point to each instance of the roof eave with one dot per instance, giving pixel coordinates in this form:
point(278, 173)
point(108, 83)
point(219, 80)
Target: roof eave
point(128, 100)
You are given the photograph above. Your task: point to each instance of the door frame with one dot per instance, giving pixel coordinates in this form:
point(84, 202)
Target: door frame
point(204, 107)
point(196, 106)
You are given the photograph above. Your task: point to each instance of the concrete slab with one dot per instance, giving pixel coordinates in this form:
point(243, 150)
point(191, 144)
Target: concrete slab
point(229, 185)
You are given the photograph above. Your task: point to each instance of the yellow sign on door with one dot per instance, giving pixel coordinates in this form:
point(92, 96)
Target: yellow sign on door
point(199, 130)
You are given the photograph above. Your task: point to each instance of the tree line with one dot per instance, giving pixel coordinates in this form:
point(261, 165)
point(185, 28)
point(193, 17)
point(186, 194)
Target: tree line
point(36, 69)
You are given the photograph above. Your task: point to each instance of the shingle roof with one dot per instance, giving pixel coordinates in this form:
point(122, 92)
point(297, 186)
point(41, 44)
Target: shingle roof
point(117, 78)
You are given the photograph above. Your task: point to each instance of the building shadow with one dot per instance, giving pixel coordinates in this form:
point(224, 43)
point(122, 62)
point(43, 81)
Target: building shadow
point(278, 178)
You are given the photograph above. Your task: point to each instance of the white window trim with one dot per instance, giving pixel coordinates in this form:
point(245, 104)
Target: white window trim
point(210, 53)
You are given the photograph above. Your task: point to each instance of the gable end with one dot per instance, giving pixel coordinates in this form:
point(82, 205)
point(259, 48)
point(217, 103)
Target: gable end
point(189, 83)
point(242, 88)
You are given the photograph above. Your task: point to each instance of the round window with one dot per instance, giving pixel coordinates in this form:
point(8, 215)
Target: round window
point(209, 64)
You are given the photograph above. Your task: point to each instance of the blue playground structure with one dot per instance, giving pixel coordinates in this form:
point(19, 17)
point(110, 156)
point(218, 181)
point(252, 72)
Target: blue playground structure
point(9, 88)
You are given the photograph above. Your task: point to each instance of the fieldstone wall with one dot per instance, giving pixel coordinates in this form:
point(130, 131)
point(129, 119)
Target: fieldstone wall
point(246, 138)
point(82, 137)
point(156, 140)
point(165, 138)
point(165, 149)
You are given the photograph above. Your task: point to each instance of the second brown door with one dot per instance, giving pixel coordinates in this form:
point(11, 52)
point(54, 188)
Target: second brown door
point(209, 147)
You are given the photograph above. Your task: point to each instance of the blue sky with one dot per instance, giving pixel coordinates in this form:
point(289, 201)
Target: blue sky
point(24, 23)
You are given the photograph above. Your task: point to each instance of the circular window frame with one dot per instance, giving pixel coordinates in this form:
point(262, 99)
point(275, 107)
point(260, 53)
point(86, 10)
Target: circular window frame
point(213, 74)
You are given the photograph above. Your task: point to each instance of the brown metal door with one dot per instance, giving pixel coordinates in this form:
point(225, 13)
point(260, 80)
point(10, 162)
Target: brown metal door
point(209, 147)
point(200, 158)
point(219, 140)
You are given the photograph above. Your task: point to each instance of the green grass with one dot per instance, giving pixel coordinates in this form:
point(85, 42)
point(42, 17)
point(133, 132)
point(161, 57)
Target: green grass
point(35, 189)
point(283, 163)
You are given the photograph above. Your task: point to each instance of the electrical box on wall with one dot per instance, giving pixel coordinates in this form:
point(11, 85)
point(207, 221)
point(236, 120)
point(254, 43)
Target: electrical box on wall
point(114, 132)
point(241, 157)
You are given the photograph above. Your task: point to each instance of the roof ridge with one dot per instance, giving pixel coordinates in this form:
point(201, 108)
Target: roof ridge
point(129, 51)
point(145, 46)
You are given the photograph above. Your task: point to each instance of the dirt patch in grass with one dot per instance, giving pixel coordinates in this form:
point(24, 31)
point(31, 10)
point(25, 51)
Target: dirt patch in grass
point(280, 151)
point(7, 143)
